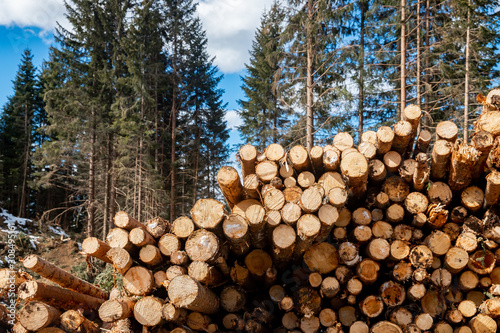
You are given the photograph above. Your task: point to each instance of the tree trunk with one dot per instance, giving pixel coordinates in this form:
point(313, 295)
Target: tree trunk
point(403, 59)
point(361, 63)
point(309, 78)
point(466, 94)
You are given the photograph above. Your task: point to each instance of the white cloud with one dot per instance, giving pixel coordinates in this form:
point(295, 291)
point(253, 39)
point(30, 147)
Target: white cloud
point(23, 13)
point(233, 119)
point(230, 24)
point(230, 27)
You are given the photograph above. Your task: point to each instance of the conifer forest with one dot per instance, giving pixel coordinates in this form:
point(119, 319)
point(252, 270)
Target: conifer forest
point(127, 114)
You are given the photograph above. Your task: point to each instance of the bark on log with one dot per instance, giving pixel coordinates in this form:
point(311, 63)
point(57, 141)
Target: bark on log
point(185, 292)
point(422, 172)
point(247, 155)
point(299, 158)
point(157, 227)
point(125, 221)
point(385, 137)
point(463, 158)
point(140, 237)
point(423, 142)
point(402, 135)
point(492, 192)
point(230, 185)
point(483, 142)
point(396, 189)
point(316, 155)
point(96, 248)
point(372, 306)
point(61, 277)
point(441, 153)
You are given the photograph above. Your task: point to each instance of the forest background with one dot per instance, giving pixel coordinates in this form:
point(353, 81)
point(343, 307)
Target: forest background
point(127, 111)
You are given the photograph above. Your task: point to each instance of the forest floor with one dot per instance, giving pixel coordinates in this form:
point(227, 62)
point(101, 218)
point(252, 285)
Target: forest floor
point(50, 241)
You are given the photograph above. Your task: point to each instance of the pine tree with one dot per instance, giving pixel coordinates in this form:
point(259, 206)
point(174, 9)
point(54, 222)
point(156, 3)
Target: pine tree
point(264, 116)
point(22, 116)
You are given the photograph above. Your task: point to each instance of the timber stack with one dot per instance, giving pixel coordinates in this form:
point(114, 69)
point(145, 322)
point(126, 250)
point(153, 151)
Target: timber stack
point(399, 234)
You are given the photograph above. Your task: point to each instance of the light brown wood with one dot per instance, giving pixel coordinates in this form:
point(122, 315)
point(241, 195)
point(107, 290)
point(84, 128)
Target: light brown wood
point(202, 245)
point(308, 228)
point(368, 271)
point(283, 243)
point(483, 324)
point(310, 200)
point(402, 135)
point(423, 141)
point(362, 216)
point(74, 322)
point(291, 213)
point(235, 230)
point(424, 321)
point(463, 158)
point(433, 303)
point(337, 197)
point(116, 309)
point(446, 130)
point(230, 185)
point(148, 311)
point(348, 253)
point(316, 155)
point(138, 281)
point(369, 136)
point(372, 306)
point(468, 280)
point(368, 150)
point(483, 142)
point(96, 248)
point(407, 169)
point(299, 158)
point(120, 258)
point(392, 161)
point(422, 172)
point(343, 141)
point(330, 180)
point(382, 229)
point(441, 278)
point(321, 257)
point(385, 327)
point(207, 213)
point(125, 221)
point(232, 299)
point(440, 161)
point(61, 277)
point(36, 315)
point(292, 194)
point(395, 213)
point(119, 326)
point(179, 258)
point(56, 296)
point(385, 137)
point(182, 227)
point(396, 189)
point(331, 158)
point(440, 193)
point(247, 155)
point(186, 292)
point(416, 203)
point(255, 215)
point(421, 256)
point(168, 244)
point(305, 179)
point(140, 237)
point(118, 237)
point(482, 262)
point(401, 317)
point(355, 168)
point(251, 186)
point(456, 259)
point(274, 152)
point(467, 308)
point(492, 192)
point(438, 242)
point(472, 198)
point(157, 226)
point(150, 255)
point(274, 199)
point(377, 170)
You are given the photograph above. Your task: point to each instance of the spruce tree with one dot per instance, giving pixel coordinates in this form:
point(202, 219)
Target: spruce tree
point(22, 116)
point(265, 118)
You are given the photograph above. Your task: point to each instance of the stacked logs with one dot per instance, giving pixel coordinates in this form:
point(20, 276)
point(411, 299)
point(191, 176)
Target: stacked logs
point(385, 237)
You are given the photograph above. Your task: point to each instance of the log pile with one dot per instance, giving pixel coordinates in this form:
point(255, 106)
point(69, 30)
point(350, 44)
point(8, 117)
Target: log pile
point(385, 237)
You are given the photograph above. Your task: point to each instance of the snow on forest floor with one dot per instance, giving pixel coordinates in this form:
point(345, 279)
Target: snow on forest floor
point(27, 228)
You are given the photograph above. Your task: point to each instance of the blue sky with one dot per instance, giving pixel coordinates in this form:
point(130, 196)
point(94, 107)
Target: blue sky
point(229, 24)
